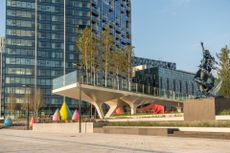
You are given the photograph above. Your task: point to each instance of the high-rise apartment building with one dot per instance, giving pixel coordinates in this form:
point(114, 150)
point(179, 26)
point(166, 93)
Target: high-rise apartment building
point(2, 47)
point(41, 35)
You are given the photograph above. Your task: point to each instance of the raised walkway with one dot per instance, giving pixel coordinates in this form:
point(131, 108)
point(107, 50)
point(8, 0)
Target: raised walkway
point(97, 93)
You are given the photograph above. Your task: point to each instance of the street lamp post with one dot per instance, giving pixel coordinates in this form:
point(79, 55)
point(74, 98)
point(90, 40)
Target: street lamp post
point(28, 108)
point(28, 115)
point(79, 102)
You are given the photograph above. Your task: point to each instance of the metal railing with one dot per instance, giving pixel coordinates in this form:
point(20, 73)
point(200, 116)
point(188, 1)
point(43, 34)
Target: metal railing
point(117, 83)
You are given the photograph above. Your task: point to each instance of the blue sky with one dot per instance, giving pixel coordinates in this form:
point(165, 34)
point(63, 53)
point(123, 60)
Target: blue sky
point(171, 30)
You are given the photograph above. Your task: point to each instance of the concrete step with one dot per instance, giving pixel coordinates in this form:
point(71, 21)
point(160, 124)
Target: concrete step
point(154, 131)
point(136, 130)
point(193, 134)
point(16, 127)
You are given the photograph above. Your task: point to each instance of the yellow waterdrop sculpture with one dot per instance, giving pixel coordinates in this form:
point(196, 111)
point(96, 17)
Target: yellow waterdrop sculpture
point(64, 112)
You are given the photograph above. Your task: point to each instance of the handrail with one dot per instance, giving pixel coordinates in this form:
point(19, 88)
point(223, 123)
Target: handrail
point(118, 83)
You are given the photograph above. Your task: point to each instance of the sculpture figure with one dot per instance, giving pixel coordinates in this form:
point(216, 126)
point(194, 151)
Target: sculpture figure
point(204, 78)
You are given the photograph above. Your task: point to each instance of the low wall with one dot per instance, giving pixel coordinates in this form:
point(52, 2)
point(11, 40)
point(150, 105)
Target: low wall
point(86, 127)
point(153, 131)
point(204, 109)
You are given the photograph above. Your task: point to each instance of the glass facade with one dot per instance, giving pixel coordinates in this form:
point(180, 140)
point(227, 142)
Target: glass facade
point(39, 46)
point(136, 61)
point(117, 15)
point(177, 81)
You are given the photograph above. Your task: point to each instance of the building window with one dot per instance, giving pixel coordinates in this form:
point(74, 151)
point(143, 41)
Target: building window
point(167, 84)
point(192, 88)
point(161, 83)
point(174, 85)
point(180, 86)
point(186, 87)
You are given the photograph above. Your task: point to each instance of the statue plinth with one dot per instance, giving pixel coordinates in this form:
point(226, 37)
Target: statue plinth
point(205, 109)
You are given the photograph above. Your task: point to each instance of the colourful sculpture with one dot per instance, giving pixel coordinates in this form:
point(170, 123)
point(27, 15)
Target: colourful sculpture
point(56, 116)
point(153, 108)
point(65, 112)
point(75, 116)
point(119, 111)
point(69, 113)
point(7, 122)
point(32, 121)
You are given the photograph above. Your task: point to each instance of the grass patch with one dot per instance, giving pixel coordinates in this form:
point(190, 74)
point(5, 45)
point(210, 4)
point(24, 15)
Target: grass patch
point(146, 115)
point(174, 124)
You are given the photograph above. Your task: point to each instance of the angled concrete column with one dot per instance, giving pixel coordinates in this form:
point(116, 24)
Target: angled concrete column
point(132, 102)
point(179, 109)
point(133, 109)
point(99, 109)
point(112, 106)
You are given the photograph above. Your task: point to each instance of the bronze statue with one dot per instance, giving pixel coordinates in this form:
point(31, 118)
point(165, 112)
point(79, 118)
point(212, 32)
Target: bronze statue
point(204, 78)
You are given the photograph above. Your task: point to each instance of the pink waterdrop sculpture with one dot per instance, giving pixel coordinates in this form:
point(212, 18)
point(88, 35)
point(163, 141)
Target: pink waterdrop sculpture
point(75, 116)
point(56, 117)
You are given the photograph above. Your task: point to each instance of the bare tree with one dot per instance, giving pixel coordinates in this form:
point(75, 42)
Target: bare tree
point(107, 45)
point(28, 101)
point(93, 54)
point(38, 101)
point(129, 54)
point(18, 108)
point(84, 46)
point(117, 65)
point(11, 105)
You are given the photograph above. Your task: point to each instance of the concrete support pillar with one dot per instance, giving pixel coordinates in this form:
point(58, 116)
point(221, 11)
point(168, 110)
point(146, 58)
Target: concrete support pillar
point(133, 109)
point(179, 109)
point(99, 109)
point(112, 106)
point(132, 104)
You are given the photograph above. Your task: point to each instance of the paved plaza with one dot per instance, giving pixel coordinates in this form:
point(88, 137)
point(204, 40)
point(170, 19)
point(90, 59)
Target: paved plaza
point(20, 141)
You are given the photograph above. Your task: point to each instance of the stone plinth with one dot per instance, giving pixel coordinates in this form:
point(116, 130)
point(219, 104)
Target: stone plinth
point(72, 128)
point(204, 109)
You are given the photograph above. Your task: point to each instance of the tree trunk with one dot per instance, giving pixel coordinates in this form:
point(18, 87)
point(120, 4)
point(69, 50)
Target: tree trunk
point(91, 69)
point(106, 78)
point(118, 83)
point(86, 65)
point(86, 73)
point(106, 71)
point(94, 76)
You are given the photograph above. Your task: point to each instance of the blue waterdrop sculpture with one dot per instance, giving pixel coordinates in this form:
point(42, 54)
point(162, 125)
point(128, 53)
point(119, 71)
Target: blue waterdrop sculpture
point(7, 122)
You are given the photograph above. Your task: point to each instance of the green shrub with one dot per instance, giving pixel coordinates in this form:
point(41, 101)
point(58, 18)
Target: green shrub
point(225, 112)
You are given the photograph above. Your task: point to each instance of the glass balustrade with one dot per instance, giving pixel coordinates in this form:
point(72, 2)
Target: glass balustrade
point(117, 83)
